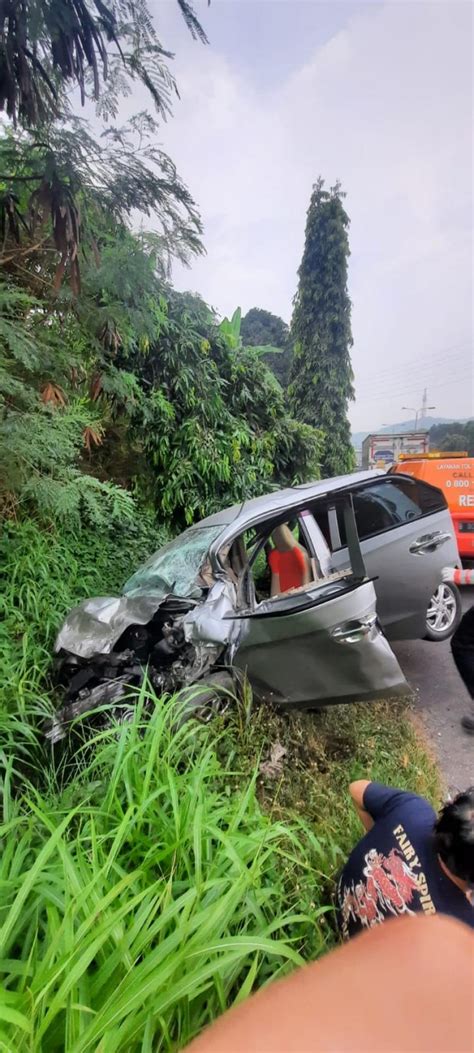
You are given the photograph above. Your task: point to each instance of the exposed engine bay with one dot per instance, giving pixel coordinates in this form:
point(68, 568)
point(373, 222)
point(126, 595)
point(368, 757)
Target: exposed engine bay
point(172, 641)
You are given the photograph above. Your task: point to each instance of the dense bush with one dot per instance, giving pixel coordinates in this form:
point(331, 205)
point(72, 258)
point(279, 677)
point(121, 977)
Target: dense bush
point(43, 573)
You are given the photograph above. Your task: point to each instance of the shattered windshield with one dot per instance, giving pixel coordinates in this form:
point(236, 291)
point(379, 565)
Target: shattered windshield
point(175, 567)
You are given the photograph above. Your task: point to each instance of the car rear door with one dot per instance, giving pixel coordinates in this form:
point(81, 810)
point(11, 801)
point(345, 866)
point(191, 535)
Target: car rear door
point(322, 643)
point(406, 537)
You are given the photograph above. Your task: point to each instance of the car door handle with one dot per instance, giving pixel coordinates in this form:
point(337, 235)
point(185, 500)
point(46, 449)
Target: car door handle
point(352, 632)
point(428, 542)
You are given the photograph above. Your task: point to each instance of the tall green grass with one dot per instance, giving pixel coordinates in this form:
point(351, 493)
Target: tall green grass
point(146, 897)
point(43, 573)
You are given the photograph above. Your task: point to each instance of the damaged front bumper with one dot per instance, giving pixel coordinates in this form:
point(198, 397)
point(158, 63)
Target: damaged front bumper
point(107, 645)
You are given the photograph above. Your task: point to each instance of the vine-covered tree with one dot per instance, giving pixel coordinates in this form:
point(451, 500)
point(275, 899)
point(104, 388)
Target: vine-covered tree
point(260, 328)
point(321, 374)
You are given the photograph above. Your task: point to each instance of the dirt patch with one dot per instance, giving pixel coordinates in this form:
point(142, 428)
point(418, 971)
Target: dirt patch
point(325, 750)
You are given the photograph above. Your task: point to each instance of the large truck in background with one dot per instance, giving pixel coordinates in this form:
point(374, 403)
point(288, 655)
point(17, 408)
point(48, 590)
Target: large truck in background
point(384, 449)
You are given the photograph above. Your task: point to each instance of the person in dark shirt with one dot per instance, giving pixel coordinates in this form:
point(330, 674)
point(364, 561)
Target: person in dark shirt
point(410, 860)
point(462, 642)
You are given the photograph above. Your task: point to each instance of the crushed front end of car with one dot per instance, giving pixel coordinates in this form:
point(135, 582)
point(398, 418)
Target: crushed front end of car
point(108, 645)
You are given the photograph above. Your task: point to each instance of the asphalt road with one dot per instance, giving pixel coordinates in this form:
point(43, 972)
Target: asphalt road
point(441, 702)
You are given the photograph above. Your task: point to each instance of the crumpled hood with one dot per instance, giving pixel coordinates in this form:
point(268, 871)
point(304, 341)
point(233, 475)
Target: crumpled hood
point(95, 625)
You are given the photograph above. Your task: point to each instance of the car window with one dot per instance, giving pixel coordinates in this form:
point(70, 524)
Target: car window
point(175, 567)
point(391, 503)
point(428, 497)
point(383, 506)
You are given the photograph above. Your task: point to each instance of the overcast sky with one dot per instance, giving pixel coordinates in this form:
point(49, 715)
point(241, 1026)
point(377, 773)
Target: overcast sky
point(378, 95)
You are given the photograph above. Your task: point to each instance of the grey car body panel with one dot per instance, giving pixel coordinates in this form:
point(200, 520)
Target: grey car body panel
point(96, 625)
point(333, 651)
point(409, 579)
point(211, 623)
point(406, 580)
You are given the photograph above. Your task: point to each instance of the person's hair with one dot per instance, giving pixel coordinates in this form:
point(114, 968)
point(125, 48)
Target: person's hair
point(454, 835)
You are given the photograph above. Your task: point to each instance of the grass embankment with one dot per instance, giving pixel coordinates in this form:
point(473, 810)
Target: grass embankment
point(169, 878)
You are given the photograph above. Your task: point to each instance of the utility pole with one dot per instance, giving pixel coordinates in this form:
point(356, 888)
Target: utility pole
point(412, 409)
point(420, 413)
point(424, 405)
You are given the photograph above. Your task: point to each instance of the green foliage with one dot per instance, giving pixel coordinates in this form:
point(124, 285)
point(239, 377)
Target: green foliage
point(170, 879)
point(153, 894)
point(42, 429)
point(65, 192)
point(453, 436)
point(211, 423)
point(126, 383)
point(101, 47)
point(321, 374)
point(262, 328)
point(231, 329)
point(45, 572)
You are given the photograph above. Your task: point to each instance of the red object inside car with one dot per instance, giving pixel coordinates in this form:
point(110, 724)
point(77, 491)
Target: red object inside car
point(290, 567)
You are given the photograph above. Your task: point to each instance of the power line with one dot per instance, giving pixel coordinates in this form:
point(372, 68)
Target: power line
point(408, 392)
point(439, 352)
point(418, 367)
point(415, 377)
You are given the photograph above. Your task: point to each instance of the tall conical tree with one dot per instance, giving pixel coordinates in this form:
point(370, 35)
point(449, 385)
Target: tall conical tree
point(321, 374)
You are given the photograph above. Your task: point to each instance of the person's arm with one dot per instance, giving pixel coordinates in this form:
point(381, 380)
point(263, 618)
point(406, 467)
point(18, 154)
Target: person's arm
point(357, 790)
point(307, 573)
point(372, 801)
point(457, 575)
point(406, 985)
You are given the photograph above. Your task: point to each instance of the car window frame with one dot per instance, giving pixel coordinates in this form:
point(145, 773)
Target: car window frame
point(351, 577)
point(391, 479)
point(266, 534)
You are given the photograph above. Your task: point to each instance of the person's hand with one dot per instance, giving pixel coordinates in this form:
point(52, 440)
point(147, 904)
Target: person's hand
point(447, 573)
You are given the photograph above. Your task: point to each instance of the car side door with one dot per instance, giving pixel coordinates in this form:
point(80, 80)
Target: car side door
point(322, 643)
point(406, 536)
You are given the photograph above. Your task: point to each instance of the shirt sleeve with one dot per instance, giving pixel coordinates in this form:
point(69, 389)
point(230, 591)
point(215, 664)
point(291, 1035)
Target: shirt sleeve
point(379, 800)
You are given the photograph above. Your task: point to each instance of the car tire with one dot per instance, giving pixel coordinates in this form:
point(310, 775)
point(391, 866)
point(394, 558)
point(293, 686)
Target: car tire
point(206, 698)
point(444, 612)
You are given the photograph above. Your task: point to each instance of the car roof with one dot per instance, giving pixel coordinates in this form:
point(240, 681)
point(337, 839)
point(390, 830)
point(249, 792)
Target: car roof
point(277, 500)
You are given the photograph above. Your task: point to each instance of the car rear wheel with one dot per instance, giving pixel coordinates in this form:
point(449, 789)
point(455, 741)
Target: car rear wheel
point(444, 612)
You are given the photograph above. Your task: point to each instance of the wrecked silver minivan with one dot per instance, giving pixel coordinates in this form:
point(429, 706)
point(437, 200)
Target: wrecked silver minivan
point(209, 603)
point(297, 590)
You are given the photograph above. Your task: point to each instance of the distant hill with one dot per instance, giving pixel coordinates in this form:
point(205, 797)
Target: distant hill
point(424, 424)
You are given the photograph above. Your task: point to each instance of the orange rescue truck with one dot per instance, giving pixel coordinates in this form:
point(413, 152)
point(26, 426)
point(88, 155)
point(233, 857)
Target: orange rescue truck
point(453, 473)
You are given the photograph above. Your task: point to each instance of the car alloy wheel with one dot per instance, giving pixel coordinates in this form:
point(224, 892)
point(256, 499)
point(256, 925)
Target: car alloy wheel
point(444, 612)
